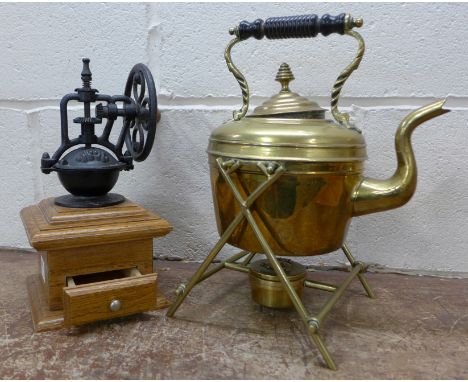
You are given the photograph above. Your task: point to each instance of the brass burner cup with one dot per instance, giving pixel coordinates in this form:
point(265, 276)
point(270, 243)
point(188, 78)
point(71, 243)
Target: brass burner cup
point(266, 287)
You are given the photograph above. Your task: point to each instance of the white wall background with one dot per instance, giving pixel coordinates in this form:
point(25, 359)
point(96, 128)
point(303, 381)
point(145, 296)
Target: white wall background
point(416, 53)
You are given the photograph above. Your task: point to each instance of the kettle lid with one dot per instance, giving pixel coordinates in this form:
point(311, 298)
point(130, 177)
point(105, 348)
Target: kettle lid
point(288, 104)
point(287, 127)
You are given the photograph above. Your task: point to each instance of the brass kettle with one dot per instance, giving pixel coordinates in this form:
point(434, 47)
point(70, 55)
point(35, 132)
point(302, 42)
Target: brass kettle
point(307, 210)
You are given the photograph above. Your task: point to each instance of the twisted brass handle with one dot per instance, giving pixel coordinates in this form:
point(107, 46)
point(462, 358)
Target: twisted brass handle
point(238, 114)
point(343, 118)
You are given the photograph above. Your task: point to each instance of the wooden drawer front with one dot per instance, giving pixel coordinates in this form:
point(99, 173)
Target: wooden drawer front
point(91, 302)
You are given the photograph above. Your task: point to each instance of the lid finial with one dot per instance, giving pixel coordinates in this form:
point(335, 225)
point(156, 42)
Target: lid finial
point(288, 104)
point(284, 77)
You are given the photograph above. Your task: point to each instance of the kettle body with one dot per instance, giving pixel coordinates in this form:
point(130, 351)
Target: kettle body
point(306, 211)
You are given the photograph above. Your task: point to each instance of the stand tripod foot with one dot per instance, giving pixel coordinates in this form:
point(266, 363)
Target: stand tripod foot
point(361, 277)
point(323, 351)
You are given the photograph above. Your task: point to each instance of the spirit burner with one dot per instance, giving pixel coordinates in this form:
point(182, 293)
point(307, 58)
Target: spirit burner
point(286, 181)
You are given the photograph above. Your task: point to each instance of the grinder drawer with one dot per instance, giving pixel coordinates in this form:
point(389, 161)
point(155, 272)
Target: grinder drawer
point(127, 293)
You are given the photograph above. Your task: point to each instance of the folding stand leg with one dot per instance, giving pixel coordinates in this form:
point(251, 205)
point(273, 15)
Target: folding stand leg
point(226, 168)
point(311, 325)
point(313, 330)
point(360, 276)
point(295, 299)
point(185, 290)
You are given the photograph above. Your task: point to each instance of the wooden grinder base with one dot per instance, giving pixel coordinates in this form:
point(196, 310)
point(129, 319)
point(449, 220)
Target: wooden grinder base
point(94, 263)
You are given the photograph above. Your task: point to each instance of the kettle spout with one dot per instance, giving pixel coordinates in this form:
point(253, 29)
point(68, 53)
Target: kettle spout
point(373, 195)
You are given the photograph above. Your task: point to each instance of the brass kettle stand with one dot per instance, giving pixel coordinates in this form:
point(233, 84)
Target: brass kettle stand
point(272, 171)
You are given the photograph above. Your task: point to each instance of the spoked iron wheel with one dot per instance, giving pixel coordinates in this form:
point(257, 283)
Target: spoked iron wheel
point(141, 129)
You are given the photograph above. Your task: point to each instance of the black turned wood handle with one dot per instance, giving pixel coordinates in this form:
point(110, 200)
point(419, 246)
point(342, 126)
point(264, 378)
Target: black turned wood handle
point(295, 26)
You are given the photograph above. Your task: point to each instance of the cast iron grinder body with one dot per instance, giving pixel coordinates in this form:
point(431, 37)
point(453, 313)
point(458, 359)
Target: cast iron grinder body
point(90, 171)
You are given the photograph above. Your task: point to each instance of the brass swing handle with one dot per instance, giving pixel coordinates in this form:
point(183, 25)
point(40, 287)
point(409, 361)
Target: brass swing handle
point(297, 27)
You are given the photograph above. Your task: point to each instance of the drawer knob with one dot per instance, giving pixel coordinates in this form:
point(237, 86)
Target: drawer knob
point(115, 305)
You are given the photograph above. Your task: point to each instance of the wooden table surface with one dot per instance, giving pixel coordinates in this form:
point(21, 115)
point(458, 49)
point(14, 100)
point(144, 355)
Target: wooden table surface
point(416, 328)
